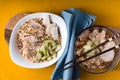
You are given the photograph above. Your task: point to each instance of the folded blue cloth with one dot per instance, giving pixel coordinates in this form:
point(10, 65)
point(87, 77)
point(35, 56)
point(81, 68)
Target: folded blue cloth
point(76, 21)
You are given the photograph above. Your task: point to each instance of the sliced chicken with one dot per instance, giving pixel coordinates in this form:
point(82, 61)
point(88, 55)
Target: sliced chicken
point(48, 28)
point(101, 36)
point(46, 20)
point(27, 37)
point(26, 44)
point(35, 24)
point(108, 56)
point(54, 33)
point(94, 33)
point(84, 36)
point(51, 28)
point(32, 39)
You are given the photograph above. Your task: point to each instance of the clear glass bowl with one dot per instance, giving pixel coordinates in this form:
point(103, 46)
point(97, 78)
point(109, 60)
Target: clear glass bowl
point(116, 58)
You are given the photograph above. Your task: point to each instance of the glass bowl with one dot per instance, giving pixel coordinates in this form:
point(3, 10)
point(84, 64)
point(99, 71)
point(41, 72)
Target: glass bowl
point(116, 58)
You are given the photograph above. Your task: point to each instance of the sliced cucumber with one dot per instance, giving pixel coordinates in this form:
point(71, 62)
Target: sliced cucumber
point(44, 57)
point(39, 56)
point(48, 50)
point(49, 58)
point(58, 47)
point(54, 55)
point(52, 42)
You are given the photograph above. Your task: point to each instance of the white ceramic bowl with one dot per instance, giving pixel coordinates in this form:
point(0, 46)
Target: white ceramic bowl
point(16, 56)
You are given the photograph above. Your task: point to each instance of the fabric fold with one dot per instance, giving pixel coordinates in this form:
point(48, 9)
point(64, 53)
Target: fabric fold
point(76, 21)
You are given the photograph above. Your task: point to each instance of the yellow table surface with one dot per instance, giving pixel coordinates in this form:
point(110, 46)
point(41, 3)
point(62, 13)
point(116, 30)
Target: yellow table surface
point(107, 12)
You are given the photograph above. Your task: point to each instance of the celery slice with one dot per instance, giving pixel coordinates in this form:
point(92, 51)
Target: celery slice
point(54, 55)
point(49, 58)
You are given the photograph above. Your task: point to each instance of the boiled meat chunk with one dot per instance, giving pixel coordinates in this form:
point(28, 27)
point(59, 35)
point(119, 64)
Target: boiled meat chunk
point(54, 33)
point(108, 56)
point(35, 24)
point(46, 20)
point(49, 28)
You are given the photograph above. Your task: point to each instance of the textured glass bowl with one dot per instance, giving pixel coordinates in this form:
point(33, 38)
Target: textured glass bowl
point(116, 58)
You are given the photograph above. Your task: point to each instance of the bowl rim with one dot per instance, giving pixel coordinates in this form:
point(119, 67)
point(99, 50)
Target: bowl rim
point(23, 19)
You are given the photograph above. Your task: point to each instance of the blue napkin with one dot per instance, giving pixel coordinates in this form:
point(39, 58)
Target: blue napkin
point(76, 21)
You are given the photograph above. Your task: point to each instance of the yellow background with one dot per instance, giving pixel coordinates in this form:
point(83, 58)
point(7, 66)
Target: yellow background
point(107, 12)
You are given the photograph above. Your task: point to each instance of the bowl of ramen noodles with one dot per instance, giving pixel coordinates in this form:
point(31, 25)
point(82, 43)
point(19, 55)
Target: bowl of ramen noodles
point(92, 37)
point(38, 40)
